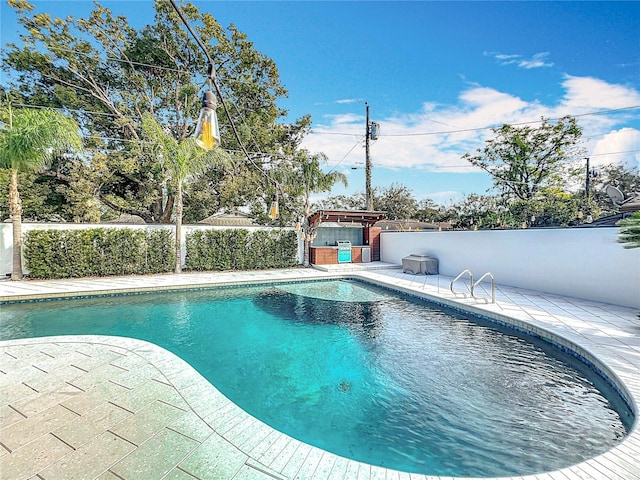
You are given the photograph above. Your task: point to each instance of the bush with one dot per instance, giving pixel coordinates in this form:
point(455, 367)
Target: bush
point(124, 251)
point(630, 231)
point(98, 252)
point(239, 249)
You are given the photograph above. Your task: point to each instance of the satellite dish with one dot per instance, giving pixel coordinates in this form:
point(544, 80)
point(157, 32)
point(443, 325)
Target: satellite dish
point(616, 196)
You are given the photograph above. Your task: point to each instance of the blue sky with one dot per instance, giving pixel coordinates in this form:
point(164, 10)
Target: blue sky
point(436, 75)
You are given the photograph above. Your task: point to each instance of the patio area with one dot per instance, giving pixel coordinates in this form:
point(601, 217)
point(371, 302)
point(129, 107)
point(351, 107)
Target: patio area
point(117, 408)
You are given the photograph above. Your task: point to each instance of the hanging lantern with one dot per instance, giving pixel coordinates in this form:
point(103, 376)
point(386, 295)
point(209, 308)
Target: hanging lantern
point(297, 229)
point(274, 209)
point(207, 131)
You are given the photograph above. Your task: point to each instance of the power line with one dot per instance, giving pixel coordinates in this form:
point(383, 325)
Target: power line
point(66, 109)
point(139, 64)
point(471, 166)
point(260, 153)
point(444, 132)
point(114, 59)
point(345, 155)
point(212, 78)
point(462, 130)
point(625, 152)
point(613, 153)
point(601, 112)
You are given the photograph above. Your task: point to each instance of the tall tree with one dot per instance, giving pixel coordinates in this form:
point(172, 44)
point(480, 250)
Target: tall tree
point(29, 140)
point(357, 201)
point(397, 201)
point(523, 160)
point(310, 178)
point(181, 160)
point(481, 212)
point(430, 211)
point(109, 74)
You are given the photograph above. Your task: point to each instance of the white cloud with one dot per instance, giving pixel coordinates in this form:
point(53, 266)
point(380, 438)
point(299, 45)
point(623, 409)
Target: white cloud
point(615, 146)
point(588, 94)
point(505, 57)
point(537, 61)
point(447, 197)
point(350, 100)
point(436, 137)
point(346, 121)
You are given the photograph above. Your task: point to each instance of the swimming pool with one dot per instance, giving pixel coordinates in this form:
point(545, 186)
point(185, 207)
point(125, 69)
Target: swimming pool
point(316, 348)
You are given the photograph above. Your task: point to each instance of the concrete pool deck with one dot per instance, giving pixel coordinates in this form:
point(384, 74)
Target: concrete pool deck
point(116, 408)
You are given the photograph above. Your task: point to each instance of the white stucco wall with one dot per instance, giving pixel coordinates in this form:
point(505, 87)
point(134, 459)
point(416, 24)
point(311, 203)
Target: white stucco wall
point(585, 263)
point(6, 236)
point(578, 262)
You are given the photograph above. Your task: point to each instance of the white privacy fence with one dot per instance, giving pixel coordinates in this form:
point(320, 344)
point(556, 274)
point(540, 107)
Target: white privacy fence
point(585, 263)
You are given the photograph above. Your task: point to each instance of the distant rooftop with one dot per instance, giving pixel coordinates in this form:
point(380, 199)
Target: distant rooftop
point(228, 220)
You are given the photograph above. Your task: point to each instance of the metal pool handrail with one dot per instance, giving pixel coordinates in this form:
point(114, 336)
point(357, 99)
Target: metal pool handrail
point(472, 285)
point(468, 272)
point(493, 288)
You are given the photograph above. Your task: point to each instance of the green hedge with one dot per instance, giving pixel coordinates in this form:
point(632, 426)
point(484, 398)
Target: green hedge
point(124, 251)
point(98, 252)
point(239, 249)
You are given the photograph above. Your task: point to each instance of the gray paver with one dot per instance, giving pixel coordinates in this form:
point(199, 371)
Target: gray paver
point(165, 404)
point(84, 428)
point(157, 457)
point(27, 461)
point(146, 422)
point(35, 426)
point(215, 458)
point(92, 459)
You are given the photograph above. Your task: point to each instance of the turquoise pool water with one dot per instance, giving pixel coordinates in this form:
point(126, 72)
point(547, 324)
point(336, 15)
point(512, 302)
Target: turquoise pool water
point(368, 375)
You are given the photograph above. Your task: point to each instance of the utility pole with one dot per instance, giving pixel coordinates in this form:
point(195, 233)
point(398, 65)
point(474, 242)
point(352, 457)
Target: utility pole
point(367, 165)
point(588, 181)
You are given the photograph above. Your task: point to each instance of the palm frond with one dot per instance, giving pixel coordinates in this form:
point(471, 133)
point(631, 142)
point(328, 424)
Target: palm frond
point(32, 138)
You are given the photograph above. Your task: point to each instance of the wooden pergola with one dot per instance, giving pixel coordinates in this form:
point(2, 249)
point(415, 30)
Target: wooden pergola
point(366, 218)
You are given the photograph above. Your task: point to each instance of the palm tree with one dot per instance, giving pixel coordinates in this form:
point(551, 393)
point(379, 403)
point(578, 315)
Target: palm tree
point(181, 160)
point(29, 140)
point(312, 179)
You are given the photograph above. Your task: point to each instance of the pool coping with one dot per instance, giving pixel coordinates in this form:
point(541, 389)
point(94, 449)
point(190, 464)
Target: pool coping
point(621, 362)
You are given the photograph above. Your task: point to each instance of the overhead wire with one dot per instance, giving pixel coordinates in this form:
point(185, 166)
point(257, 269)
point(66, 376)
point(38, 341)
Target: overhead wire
point(316, 132)
point(133, 140)
point(211, 77)
point(475, 129)
point(260, 153)
point(319, 132)
point(358, 142)
point(140, 64)
point(214, 81)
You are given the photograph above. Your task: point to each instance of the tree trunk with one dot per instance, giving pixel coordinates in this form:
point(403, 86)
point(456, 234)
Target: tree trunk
point(306, 231)
point(178, 268)
point(165, 216)
point(15, 211)
point(305, 258)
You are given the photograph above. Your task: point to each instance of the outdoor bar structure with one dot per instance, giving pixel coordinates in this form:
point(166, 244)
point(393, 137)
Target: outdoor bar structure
point(345, 236)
